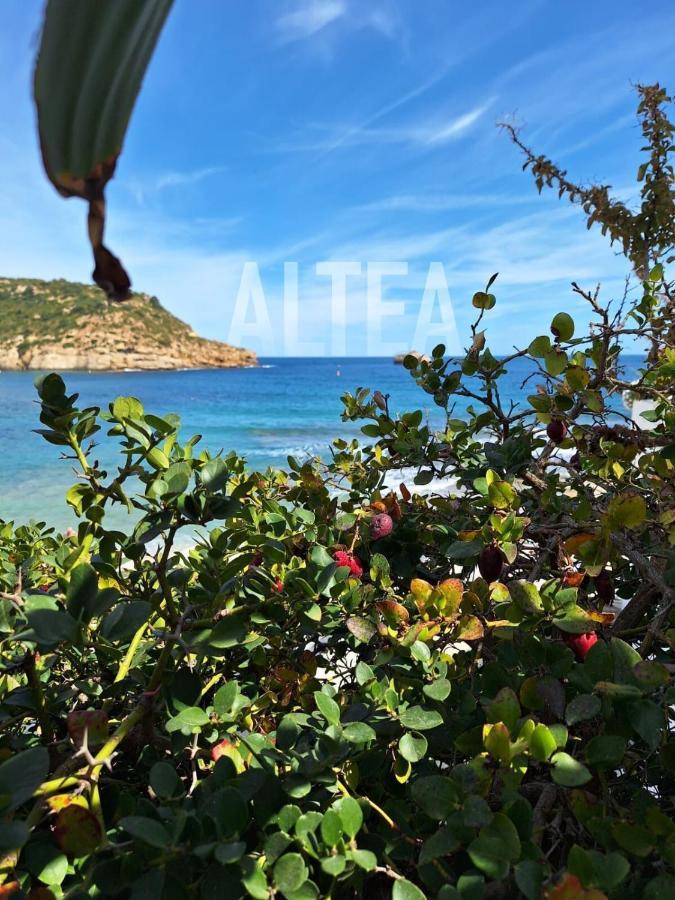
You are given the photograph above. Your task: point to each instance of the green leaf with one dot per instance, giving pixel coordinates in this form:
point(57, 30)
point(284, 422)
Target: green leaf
point(289, 872)
point(46, 862)
point(636, 839)
point(651, 674)
point(556, 362)
point(48, 627)
point(188, 721)
point(626, 511)
point(562, 326)
point(438, 690)
point(647, 719)
point(440, 844)
point(595, 869)
point(364, 673)
point(560, 734)
point(83, 111)
point(150, 831)
point(350, 814)
point(21, 775)
point(504, 708)
point(229, 853)
point(540, 346)
point(406, 890)
point(164, 780)
point(483, 300)
point(526, 596)
point(476, 812)
point(416, 718)
point(542, 743)
point(436, 795)
point(501, 495)
point(543, 692)
point(496, 846)
point(13, 835)
point(659, 887)
point(530, 878)
point(327, 707)
point(253, 879)
point(82, 591)
point(224, 698)
point(331, 828)
point(625, 658)
point(214, 474)
point(420, 652)
point(580, 863)
point(359, 733)
point(288, 732)
point(230, 811)
point(127, 408)
point(413, 746)
point(574, 620)
point(333, 865)
point(362, 629)
point(606, 751)
point(124, 620)
point(229, 632)
point(582, 708)
point(497, 742)
point(365, 859)
point(568, 771)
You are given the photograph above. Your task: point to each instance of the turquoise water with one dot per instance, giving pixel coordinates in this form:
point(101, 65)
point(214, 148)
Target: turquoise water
point(288, 406)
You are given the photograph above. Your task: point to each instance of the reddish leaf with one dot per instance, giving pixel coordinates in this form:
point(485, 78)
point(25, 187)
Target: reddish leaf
point(77, 831)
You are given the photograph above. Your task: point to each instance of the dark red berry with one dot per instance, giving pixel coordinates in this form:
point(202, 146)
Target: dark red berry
point(556, 431)
point(604, 586)
point(491, 563)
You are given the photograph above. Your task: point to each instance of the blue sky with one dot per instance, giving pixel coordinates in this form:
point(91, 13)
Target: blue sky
point(361, 130)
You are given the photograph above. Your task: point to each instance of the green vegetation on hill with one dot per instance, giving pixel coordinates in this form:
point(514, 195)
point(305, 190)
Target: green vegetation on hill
point(44, 311)
point(63, 324)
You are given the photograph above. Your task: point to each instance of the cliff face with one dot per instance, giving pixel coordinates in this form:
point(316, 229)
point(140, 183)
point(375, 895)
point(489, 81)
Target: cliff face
point(64, 325)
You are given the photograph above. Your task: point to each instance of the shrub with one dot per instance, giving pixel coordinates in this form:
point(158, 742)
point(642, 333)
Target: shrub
point(304, 705)
point(247, 716)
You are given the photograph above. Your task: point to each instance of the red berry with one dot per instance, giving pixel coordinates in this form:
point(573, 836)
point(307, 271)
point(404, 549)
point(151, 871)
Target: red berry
point(343, 558)
point(278, 585)
point(490, 563)
point(381, 526)
point(581, 643)
point(556, 431)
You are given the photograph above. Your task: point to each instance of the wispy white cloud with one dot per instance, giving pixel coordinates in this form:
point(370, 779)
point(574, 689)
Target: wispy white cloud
point(321, 21)
point(442, 202)
point(160, 181)
point(456, 127)
point(436, 131)
point(308, 18)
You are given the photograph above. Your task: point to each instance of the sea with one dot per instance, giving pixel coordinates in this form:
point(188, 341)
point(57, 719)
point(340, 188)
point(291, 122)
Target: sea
point(284, 407)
